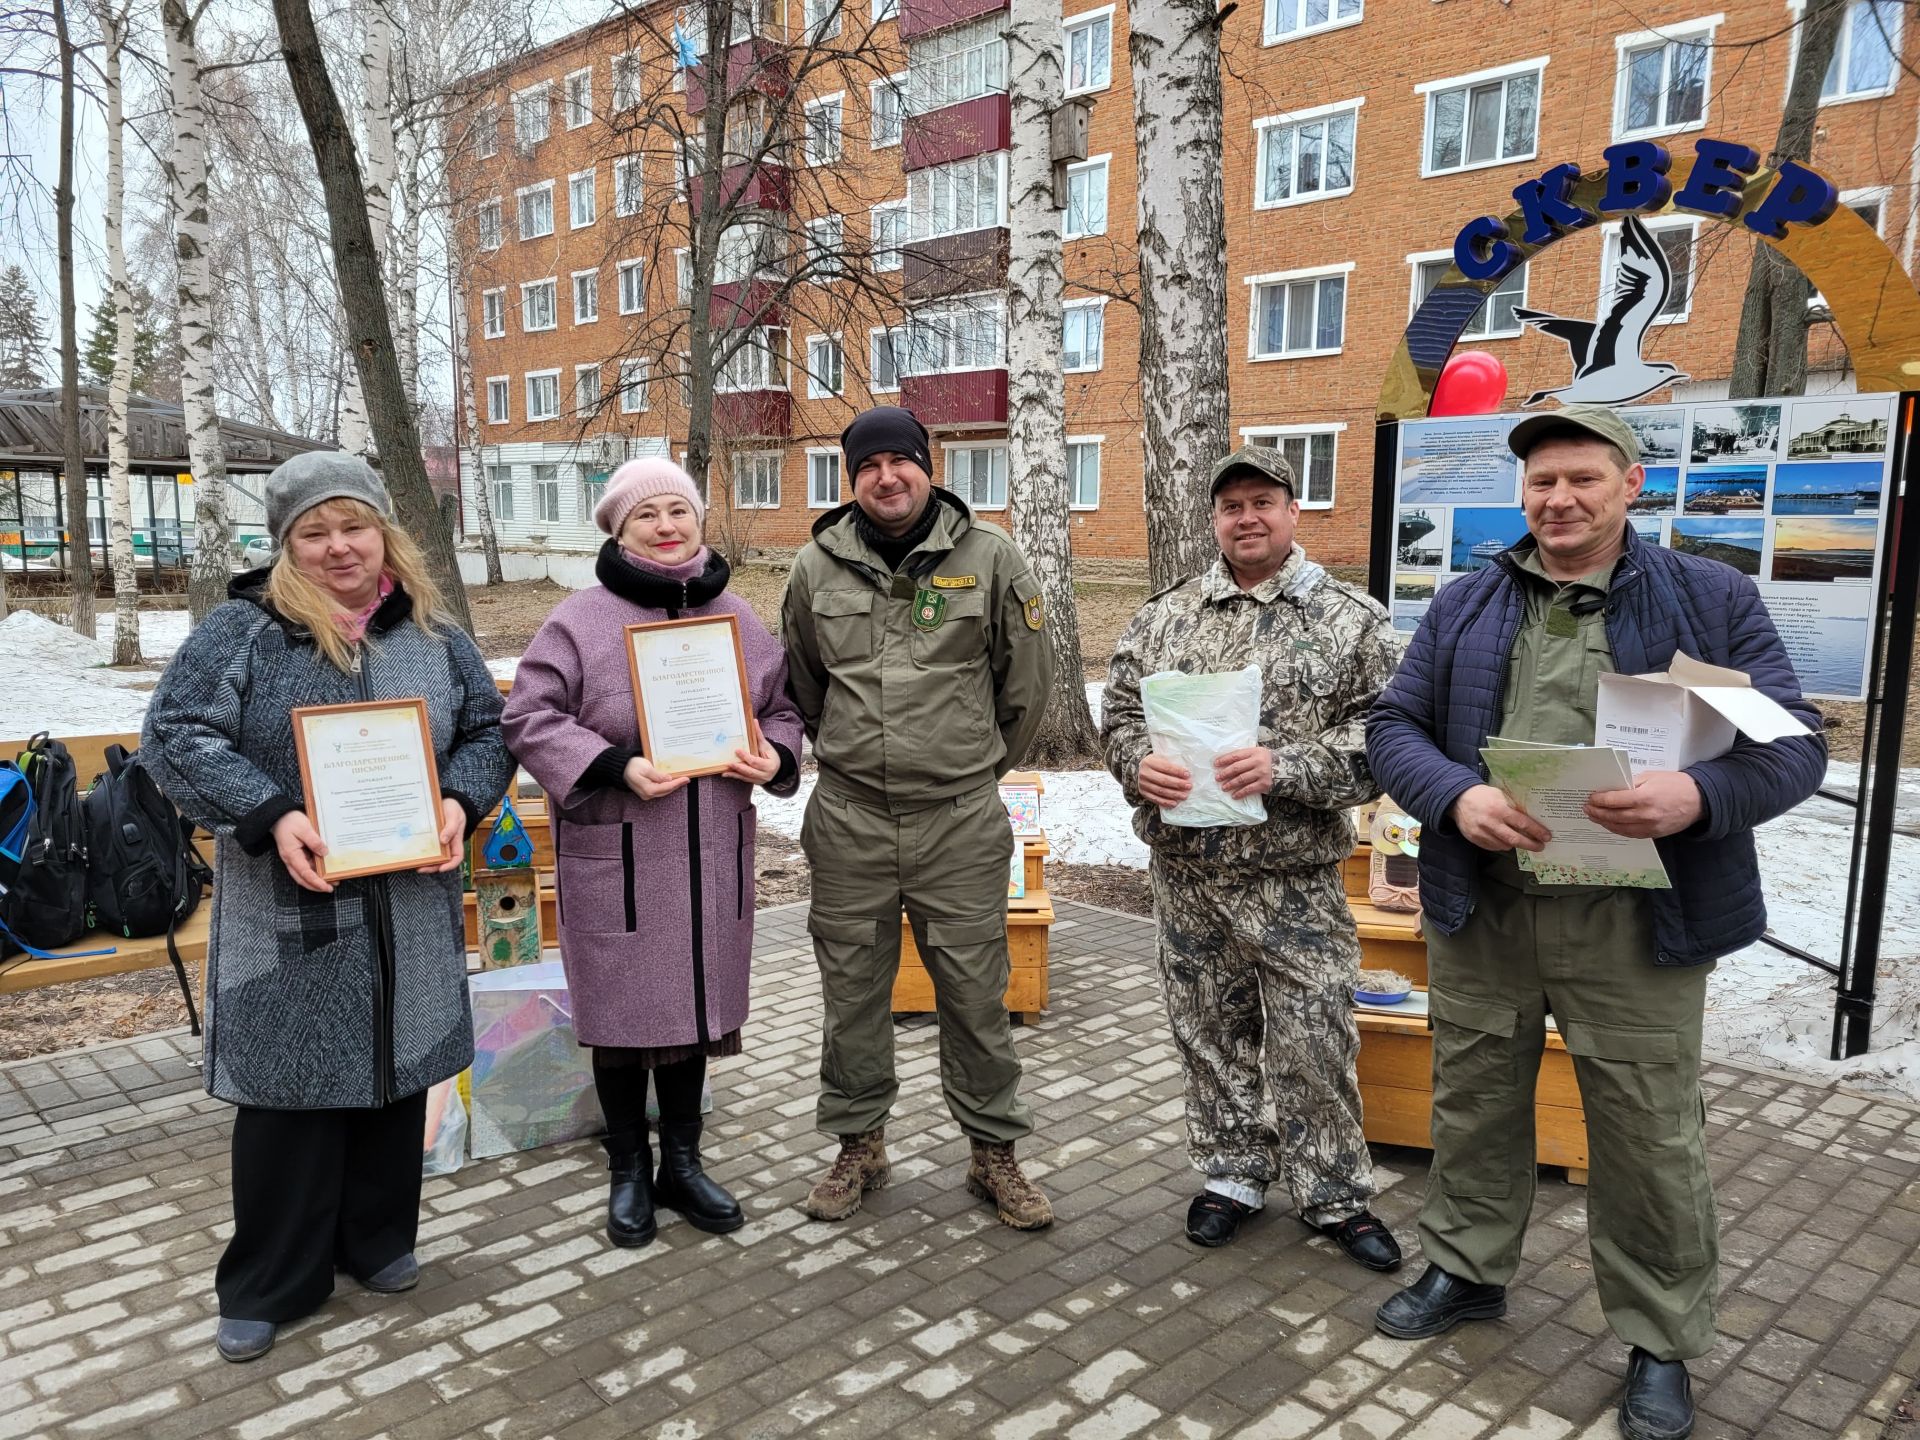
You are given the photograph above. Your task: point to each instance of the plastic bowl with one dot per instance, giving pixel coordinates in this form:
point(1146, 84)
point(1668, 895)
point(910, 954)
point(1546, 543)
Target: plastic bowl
point(1381, 997)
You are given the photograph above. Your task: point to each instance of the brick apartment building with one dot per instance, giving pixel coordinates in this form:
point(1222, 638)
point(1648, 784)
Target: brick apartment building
point(1359, 136)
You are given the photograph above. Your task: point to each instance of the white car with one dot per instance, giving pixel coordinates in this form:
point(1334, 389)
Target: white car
point(256, 552)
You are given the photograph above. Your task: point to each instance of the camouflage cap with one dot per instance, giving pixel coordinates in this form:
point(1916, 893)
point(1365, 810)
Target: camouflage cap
point(1254, 462)
point(1595, 420)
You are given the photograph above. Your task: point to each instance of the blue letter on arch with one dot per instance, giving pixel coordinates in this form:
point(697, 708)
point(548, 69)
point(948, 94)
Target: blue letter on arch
point(1482, 251)
point(1636, 177)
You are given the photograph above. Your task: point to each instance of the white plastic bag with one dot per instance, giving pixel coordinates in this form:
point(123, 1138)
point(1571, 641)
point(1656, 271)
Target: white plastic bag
point(1195, 719)
point(446, 1137)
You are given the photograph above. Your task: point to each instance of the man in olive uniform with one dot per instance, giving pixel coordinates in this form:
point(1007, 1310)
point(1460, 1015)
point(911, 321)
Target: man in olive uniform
point(918, 655)
point(1516, 650)
point(1257, 946)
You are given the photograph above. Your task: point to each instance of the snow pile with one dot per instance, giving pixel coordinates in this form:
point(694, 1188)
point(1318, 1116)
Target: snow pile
point(161, 631)
point(60, 682)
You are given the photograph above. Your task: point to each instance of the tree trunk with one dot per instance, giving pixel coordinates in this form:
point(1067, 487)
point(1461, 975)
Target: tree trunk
point(256, 333)
point(482, 501)
point(363, 295)
point(79, 530)
point(1175, 50)
point(126, 576)
point(1770, 353)
point(405, 270)
point(212, 527)
point(1037, 398)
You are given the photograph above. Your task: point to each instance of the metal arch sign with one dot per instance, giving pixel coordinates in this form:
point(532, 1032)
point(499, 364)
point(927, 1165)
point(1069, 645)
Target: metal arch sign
point(1793, 208)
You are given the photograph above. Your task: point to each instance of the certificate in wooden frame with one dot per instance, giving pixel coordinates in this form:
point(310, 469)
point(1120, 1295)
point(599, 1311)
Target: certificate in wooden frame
point(431, 815)
point(665, 749)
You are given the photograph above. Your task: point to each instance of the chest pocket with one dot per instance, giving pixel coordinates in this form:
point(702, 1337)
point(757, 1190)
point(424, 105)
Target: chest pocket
point(843, 624)
point(961, 636)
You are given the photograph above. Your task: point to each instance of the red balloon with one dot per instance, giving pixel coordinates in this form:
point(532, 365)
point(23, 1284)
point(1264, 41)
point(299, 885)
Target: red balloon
point(1473, 383)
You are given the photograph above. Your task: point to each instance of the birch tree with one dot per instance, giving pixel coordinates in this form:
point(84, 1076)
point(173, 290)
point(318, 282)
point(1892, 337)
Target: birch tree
point(79, 531)
point(126, 580)
point(1037, 398)
point(1175, 50)
point(187, 176)
point(482, 501)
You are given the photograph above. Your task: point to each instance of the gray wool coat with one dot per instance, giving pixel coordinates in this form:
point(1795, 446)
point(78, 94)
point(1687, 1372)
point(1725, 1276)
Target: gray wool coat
point(349, 999)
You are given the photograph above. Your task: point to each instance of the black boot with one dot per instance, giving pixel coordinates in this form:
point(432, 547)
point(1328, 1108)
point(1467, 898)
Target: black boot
point(1437, 1302)
point(630, 1222)
point(1658, 1403)
point(682, 1185)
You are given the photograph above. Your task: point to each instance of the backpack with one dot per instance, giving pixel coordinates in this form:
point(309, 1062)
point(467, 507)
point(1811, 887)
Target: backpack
point(43, 884)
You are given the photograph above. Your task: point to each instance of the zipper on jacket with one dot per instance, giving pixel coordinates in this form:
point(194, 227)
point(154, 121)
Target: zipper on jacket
point(382, 927)
point(698, 904)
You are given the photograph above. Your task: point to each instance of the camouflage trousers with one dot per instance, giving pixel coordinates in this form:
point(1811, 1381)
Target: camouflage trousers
point(1257, 970)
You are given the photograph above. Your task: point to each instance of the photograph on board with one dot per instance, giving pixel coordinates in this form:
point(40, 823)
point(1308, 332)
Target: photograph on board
point(1420, 537)
point(1458, 461)
point(1850, 426)
point(1734, 432)
point(1661, 430)
point(1650, 528)
point(1726, 490)
point(1732, 540)
point(1480, 534)
point(1828, 487)
point(1658, 495)
point(1823, 549)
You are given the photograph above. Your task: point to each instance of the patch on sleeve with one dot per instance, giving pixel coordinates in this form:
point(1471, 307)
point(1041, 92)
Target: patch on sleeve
point(1035, 615)
point(1026, 590)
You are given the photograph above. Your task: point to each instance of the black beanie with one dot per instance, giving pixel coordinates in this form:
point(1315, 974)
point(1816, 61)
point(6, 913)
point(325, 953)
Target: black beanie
point(885, 428)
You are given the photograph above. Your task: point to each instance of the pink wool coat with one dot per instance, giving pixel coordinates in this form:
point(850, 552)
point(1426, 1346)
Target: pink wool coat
point(655, 896)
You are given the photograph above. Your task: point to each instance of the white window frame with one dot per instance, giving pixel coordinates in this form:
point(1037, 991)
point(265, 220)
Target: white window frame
point(621, 270)
point(947, 450)
point(772, 459)
point(773, 347)
point(500, 387)
point(920, 221)
point(1268, 125)
point(629, 184)
point(818, 453)
point(1334, 21)
point(940, 73)
point(485, 132)
point(552, 286)
point(994, 301)
point(497, 476)
point(577, 116)
point(589, 314)
point(821, 27)
point(1430, 92)
point(1089, 21)
point(524, 100)
point(885, 10)
point(895, 254)
point(1681, 32)
point(581, 406)
point(1255, 283)
point(821, 105)
point(1895, 35)
point(544, 187)
point(493, 313)
point(532, 413)
point(683, 276)
point(627, 73)
point(1096, 306)
point(1249, 435)
point(680, 171)
point(546, 492)
point(823, 252)
point(591, 176)
point(897, 346)
point(1419, 258)
point(1609, 245)
point(635, 376)
point(817, 389)
point(1103, 164)
point(1099, 445)
point(895, 85)
point(496, 228)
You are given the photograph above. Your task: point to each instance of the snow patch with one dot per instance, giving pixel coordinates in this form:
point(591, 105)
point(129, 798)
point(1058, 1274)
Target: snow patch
point(61, 682)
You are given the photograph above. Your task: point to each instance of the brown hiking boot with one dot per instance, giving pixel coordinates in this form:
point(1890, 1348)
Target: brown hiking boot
point(860, 1166)
point(995, 1175)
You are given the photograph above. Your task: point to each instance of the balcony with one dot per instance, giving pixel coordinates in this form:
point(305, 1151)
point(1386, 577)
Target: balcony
point(765, 189)
point(757, 414)
point(740, 303)
point(923, 17)
point(757, 64)
point(955, 132)
point(956, 398)
point(960, 264)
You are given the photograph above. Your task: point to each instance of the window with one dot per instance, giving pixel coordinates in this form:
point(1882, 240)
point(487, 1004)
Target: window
point(681, 169)
point(582, 203)
point(586, 296)
point(885, 10)
point(823, 130)
point(959, 196)
point(1083, 472)
point(497, 404)
point(633, 386)
point(1089, 52)
point(487, 224)
point(586, 389)
point(1305, 157)
point(886, 354)
point(967, 334)
point(543, 395)
point(826, 245)
point(593, 489)
point(500, 489)
point(759, 364)
point(493, 313)
point(537, 305)
point(823, 479)
point(756, 481)
point(820, 19)
point(749, 132)
point(1663, 80)
point(747, 249)
point(978, 475)
point(486, 132)
point(1863, 60)
point(628, 185)
point(532, 112)
point(1298, 314)
point(579, 106)
point(1083, 339)
point(546, 492)
point(633, 286)
point(1494, 319)
point(1290, 19)
point(960, 63)
point(887, 103)
point(1310, 450)
point(1675, 237)
point(626, 80)
point(824, 366)
point(1086, 199)
point(889, 234)
point(1484, 119)
point(682, 277)
point(535, 204)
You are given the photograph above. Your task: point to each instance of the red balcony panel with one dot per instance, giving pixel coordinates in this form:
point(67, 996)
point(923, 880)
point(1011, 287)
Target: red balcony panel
point(964, 397)
point(766, 189)
point(973, 127)
point(923, 17)
point(954, 265)
point(744, 414)
point(741, 303)
point(756, 64)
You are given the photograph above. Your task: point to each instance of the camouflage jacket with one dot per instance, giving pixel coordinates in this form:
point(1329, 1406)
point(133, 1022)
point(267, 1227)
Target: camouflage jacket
point(1325, 651)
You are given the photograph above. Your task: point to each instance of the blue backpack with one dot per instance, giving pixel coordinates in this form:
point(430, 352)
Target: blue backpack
point(43, 864)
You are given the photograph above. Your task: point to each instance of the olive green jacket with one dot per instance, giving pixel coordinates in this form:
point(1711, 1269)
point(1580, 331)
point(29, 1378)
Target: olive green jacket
point(921, 685)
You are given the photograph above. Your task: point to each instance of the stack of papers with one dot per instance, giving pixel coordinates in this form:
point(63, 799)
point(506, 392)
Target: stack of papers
point(1551, 783)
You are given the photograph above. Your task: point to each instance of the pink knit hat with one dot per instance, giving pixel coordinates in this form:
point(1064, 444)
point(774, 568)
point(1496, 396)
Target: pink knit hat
point(644, 479)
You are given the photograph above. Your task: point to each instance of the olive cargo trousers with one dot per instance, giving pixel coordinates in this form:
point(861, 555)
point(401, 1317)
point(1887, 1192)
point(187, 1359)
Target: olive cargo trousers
point(948, 864)
point(1633, 1030)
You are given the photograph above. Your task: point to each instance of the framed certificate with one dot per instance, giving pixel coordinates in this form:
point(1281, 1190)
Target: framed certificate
point(690, 692)
point(373, 790)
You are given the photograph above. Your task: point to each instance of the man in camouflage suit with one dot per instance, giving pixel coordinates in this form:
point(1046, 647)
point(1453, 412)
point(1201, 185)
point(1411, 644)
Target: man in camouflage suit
point(1257, 947)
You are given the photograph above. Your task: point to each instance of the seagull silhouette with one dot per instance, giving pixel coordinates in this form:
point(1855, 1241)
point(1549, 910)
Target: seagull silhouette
point(1607, 368)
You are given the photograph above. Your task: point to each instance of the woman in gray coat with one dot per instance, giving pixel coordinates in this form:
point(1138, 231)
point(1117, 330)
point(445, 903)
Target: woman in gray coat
point(331, 1007)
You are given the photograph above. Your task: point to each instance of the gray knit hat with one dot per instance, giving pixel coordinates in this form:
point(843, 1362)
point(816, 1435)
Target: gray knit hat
point(314, 477)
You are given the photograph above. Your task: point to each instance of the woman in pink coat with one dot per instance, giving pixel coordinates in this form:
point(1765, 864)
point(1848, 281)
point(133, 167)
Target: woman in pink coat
point(655, 874)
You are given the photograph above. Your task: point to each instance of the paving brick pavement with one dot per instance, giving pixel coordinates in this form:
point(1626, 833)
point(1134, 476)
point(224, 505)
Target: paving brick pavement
point(921, 1317)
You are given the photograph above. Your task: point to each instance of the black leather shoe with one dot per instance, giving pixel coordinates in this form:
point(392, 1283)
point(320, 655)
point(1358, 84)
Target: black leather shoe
point(682, 1185)
point(1437, 1302)
point(1658, 1404)
point(1366, 1241)
point(630, 1222)
point(1213, 1220)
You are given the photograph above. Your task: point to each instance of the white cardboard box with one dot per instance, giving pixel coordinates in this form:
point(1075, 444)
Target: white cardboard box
point(1691, 713)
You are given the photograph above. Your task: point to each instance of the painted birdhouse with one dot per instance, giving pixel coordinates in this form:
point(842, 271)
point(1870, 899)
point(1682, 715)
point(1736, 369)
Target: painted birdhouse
point(507, 845)
point(508, 903)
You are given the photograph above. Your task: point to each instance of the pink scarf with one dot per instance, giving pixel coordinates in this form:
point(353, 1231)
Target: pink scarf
point(356, 625)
